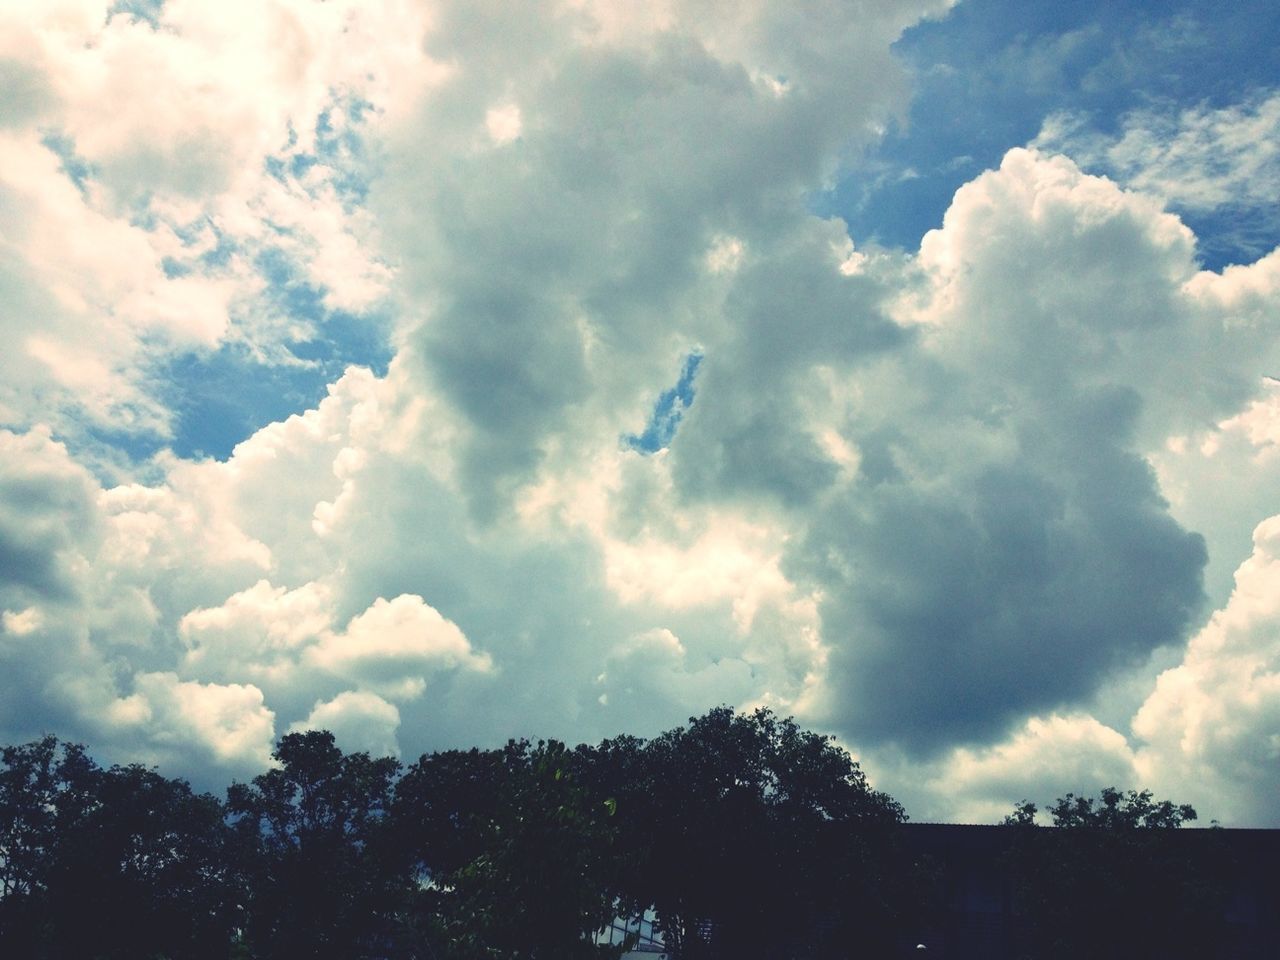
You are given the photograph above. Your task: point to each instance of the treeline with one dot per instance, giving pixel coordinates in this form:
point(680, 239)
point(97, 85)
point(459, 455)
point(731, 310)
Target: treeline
point(743, 835)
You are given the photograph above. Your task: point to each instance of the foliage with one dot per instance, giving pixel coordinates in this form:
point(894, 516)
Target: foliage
point(752, 836)
point(116, 863)
point(1091, 884)
point(513, 853)
point(44, 786)
point(144, 872)
point(312, 850)
point(746, 836)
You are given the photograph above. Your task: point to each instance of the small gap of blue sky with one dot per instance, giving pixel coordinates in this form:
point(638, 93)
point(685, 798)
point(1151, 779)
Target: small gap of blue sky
point(339, 146)
point(988, 74)
point(76, 169)
point(148, 11)
point(1234, 234)
point(667, 411)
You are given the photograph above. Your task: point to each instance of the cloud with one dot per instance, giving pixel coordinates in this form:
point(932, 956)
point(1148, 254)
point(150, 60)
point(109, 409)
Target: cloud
point(46, 518)
point(359, 720)
point(86, 298)
point(574, 256)
point(286, 641)
point(229, 721)
point(1196, 158)
point(936, 501)
point(1236, 453)
point(1218, 165)
point(150, 230)
point(1005, 545)
point(1045, 758)
point(1211, 727)
point(650, 674)
point(391, 645)
point(258, 633)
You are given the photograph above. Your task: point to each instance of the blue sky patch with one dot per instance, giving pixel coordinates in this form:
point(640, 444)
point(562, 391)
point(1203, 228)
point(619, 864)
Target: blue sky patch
point(146, 11)
point(338, 146)
point(225, 396)
point(987, 75)
point(221, 398)
point(78, 170)
point(668, 411)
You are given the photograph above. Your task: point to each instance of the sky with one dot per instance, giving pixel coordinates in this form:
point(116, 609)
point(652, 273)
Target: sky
point(438, 373)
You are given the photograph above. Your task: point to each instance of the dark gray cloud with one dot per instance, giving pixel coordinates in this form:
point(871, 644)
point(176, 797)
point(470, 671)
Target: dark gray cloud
point(46, 514)
point(955, 611)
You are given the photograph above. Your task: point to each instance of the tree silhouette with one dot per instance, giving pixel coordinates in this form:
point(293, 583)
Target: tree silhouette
point(311, 846)
point(116, 863)
point(513, 853)
point(756, 838)
point(1112, 878)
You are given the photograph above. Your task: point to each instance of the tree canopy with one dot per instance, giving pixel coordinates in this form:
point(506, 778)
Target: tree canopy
point(118, 863)
point(1095, 883)
point(312, 852)
point(739, 834)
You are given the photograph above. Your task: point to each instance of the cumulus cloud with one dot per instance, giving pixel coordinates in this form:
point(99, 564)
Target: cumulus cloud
point(286, 640)
point(564, 271)
point(47, 518)
point(358, 720)
point(1046, 758)
point(1005, 544)
point(650, 674)
point(394, 643)
point(933, 501)
point(230, 721)
point(1211, 727)
point(1218, 162)
point(154, 227)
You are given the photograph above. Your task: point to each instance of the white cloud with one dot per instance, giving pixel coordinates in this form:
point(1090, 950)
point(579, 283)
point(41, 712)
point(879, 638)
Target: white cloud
point(21, 622)
point(1219, 163)
point(1211, 727)
point(394, 645)
point(503, 123)
point(141, 230)
point(359, 720)
point(1196, 158)
point(1043, 758)
point(257, 633)
point(230, 721)
point(286, 641)
point(651, 675)
point(88, 304)
point(1004, 544)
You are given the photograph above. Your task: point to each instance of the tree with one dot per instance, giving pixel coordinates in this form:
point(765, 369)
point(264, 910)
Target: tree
point(757, 839)
point(513, 853)
point(312, 846)
point(1113, 877)
point(143, 873)
point(44, 786)
point(107, 863)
